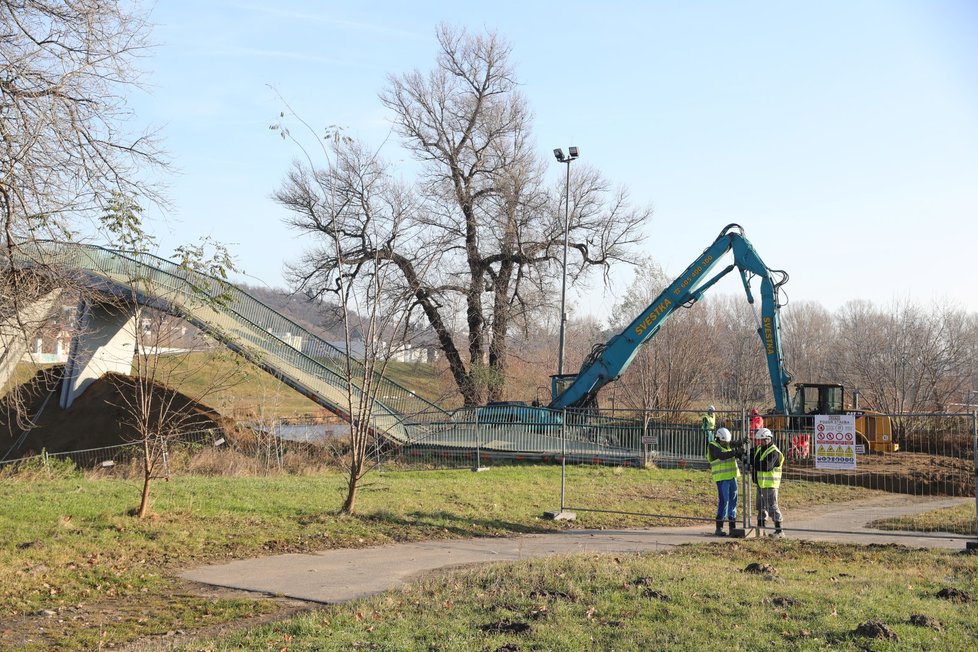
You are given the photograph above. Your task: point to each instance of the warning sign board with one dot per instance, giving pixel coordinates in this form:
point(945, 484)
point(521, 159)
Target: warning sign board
point(835, 441)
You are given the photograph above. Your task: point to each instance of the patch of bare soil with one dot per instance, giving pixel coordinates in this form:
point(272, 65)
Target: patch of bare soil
point(97, 418)
point(919, 474)
point(108, 616)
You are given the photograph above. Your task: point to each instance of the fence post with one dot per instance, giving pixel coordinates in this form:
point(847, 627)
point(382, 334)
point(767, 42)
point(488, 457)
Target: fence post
point(377, 440)
point(745, 484)
point(646, 448)
point(478, 445)
point(563, 456)
point(973, 545)
point(561, 515)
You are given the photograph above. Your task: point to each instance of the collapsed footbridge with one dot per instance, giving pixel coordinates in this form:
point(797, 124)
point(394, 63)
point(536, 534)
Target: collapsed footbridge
point(112, 282)
point(106, 340)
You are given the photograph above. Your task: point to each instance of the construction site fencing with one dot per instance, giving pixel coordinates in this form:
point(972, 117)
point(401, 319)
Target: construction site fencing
point(930, 476)
point(479, 437)
point(923, 482)
point(106, 457)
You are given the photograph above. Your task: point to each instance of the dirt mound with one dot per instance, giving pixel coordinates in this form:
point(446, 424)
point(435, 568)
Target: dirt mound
point(97, 418)
point(903, 472)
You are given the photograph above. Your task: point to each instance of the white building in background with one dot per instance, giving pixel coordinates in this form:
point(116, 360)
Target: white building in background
point(405, 353)
point(50, 348)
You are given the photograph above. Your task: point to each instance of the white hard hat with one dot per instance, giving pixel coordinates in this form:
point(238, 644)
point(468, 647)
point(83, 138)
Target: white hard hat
point(711, 409)
point(763, 433)
point(723, 434)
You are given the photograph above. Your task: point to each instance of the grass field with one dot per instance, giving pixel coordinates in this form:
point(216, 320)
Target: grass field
point(758, 595)
point(68, 539)
point(255, 390)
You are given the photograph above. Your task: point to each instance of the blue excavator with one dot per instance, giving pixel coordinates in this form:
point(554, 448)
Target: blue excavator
point(609, 360)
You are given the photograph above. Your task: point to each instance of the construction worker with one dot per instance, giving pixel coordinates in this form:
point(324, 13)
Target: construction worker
point(766, 466)
point(709, 423)
point(722, 456)
point(756, 422)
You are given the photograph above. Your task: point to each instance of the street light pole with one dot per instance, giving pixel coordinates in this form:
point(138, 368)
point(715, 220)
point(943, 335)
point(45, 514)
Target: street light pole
point(572, 155)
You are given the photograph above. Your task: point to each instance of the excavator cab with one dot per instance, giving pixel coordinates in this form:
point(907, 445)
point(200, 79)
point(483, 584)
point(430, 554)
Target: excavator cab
point(873, 430)
point(818, 398)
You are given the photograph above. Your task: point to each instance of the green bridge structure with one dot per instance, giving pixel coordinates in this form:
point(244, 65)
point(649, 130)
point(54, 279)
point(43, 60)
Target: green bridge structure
point(106, 341)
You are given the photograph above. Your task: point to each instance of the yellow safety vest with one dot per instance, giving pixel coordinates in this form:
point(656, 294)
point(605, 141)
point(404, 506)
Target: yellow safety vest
point(769, 479)
point(709, 422)
point(722, 469)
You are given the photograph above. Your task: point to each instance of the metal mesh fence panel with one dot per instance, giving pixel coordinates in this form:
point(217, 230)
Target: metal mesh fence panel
point(919, 479)
point(923, 482)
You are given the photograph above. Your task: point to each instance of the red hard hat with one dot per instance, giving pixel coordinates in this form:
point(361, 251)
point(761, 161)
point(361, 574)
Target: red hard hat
point(753, 412)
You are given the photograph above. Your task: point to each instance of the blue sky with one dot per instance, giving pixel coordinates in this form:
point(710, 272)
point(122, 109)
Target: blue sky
point(842, 135)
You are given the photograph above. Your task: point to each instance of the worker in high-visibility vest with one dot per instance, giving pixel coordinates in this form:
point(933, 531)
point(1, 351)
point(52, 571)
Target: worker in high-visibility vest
point(756, 422)
point(722, 456)
point(766, 466)
point(709, 423)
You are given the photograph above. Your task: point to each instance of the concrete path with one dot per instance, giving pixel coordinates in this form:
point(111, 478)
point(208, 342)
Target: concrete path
point(339, 575)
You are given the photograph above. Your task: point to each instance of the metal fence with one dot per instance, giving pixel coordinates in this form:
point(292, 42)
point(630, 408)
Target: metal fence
point(922, 483)
point(933, 466)
point(483, 436)
point(107, 457)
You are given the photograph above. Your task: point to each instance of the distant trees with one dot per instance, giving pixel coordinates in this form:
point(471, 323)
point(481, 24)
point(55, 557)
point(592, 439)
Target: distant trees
point(900, 358)
point(807, 330)
point(905, 358)
point(671, 373)
point(740, 366)
point(481, 234)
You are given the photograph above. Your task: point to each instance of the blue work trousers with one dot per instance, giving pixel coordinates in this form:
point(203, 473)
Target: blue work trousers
point(727, 499)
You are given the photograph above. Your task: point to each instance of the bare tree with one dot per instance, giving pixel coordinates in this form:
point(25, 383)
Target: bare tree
point(165, 397)
point(155, 409)
point(808, 331)
point(906, 358)
point(487, 237)
point(359, 216)
point(741, 368)
point(947, 361)
point(65, 149)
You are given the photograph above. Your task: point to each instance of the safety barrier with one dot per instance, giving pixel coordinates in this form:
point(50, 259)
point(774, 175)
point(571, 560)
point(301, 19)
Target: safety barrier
point(931, 477)
point(108, 456)
point(923, 484)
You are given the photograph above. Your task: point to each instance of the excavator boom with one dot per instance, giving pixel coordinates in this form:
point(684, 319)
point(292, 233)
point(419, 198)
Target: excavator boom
point(608, 361)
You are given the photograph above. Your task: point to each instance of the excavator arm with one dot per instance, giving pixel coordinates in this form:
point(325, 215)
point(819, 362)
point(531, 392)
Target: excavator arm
point(609, 360)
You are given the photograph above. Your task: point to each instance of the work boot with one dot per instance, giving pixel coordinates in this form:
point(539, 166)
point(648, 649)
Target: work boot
point(719, 532)
point(732, 523)
point(777, 530)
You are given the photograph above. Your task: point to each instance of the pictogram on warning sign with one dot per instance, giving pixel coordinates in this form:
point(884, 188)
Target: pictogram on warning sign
point(834, 437)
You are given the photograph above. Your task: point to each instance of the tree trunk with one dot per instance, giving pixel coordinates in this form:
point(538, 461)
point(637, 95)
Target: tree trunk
point(143, 510)
point(352, 487)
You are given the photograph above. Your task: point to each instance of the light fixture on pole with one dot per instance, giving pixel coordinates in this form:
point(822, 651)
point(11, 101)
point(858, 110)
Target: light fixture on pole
point(572, 154)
